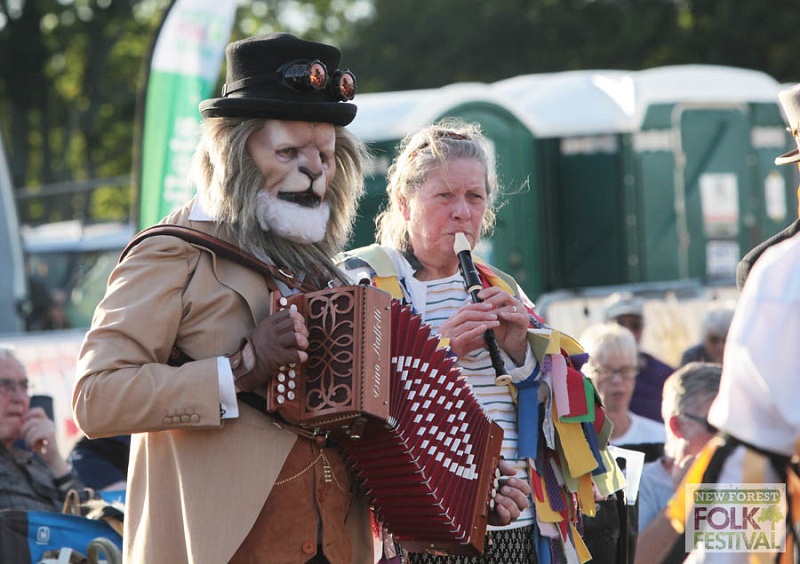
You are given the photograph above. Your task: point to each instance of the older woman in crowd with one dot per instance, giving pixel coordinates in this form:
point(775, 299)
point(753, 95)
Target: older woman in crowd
point(443, 183)
point(613, 367)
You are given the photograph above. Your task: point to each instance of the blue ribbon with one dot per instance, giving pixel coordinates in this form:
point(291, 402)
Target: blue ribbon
point(594, 445)
point(528, 415)
point(543, 547)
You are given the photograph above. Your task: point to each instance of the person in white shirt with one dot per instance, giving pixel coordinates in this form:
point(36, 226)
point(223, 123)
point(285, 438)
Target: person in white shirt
point(756, 407)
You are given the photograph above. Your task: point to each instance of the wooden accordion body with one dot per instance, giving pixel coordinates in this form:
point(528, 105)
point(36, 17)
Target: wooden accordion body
point(345, 382)
point(377, 382)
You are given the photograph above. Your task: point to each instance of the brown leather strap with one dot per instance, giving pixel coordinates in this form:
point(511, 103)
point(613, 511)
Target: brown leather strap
point(221, 248)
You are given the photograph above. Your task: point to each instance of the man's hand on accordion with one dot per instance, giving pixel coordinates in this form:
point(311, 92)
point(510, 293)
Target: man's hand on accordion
point(278, 340)
point(511, 498)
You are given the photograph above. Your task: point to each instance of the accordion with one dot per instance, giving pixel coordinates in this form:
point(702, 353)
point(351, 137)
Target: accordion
point(378, 383)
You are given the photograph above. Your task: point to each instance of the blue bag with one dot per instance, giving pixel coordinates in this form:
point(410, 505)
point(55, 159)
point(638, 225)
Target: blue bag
point(25, 536)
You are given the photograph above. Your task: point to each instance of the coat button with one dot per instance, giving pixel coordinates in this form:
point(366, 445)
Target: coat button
point(309, 547)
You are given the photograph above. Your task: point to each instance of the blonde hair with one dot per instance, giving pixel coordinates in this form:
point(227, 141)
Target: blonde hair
point(418, 155)
point(228, 182)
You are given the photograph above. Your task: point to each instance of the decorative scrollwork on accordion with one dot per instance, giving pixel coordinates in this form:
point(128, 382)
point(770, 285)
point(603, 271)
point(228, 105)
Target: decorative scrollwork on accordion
point(346, 379)
point(378, 382)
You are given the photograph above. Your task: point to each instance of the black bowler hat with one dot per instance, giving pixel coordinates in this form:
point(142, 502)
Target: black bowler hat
point(278, 76)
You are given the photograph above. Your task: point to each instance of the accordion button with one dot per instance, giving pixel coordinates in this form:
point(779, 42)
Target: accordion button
point(281, 400)
point(292, 373)
point(292, 384)
point(284, 301)
point(281, 388)
point(281, 377)
point(290, 395)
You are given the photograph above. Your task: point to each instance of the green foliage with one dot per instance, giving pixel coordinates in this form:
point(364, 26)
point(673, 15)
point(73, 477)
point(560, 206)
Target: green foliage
point(68, 94)
point(71, 71)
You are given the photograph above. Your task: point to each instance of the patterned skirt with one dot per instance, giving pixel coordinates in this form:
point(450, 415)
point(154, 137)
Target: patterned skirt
point(510, 546)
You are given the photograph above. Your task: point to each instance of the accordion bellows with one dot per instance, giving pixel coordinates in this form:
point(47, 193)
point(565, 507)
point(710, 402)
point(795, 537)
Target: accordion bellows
point(423, 448)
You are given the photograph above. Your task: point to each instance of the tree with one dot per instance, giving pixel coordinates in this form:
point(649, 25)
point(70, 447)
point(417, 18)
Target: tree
point(71, 70)
point(421, 44)
point(70, 88)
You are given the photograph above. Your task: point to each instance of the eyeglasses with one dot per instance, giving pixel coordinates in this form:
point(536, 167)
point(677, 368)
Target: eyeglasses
point(305, 76)
point(606, 373)
point(8, 386)
point(702, 420)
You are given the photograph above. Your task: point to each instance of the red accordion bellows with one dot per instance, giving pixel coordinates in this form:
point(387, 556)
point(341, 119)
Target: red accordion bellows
point(430, 468)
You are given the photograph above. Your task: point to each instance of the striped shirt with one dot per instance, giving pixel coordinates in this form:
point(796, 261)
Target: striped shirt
point(443, 298)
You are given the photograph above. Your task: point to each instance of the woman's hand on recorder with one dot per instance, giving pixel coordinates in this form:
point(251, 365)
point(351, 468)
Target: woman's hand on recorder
point(511, 498)
point(512, 330)
point(466, 327)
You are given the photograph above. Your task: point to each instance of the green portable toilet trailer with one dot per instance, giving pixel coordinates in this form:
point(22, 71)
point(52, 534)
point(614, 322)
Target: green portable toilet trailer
point(659, 175)
point(611, 177)
point(578, 130)
point(704, 185)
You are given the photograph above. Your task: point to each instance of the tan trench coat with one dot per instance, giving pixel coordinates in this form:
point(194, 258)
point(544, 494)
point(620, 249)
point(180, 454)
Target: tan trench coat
point(196, 482)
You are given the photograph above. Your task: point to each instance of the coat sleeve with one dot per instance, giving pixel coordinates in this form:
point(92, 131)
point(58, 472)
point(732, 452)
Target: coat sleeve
point(123, 384)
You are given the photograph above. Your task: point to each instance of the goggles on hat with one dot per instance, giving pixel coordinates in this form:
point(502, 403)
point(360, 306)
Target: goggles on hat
point(303, 76)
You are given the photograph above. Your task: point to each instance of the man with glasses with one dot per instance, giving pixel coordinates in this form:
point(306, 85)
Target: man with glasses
point(628, 310)
point(688, 394)
point(33, 474)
